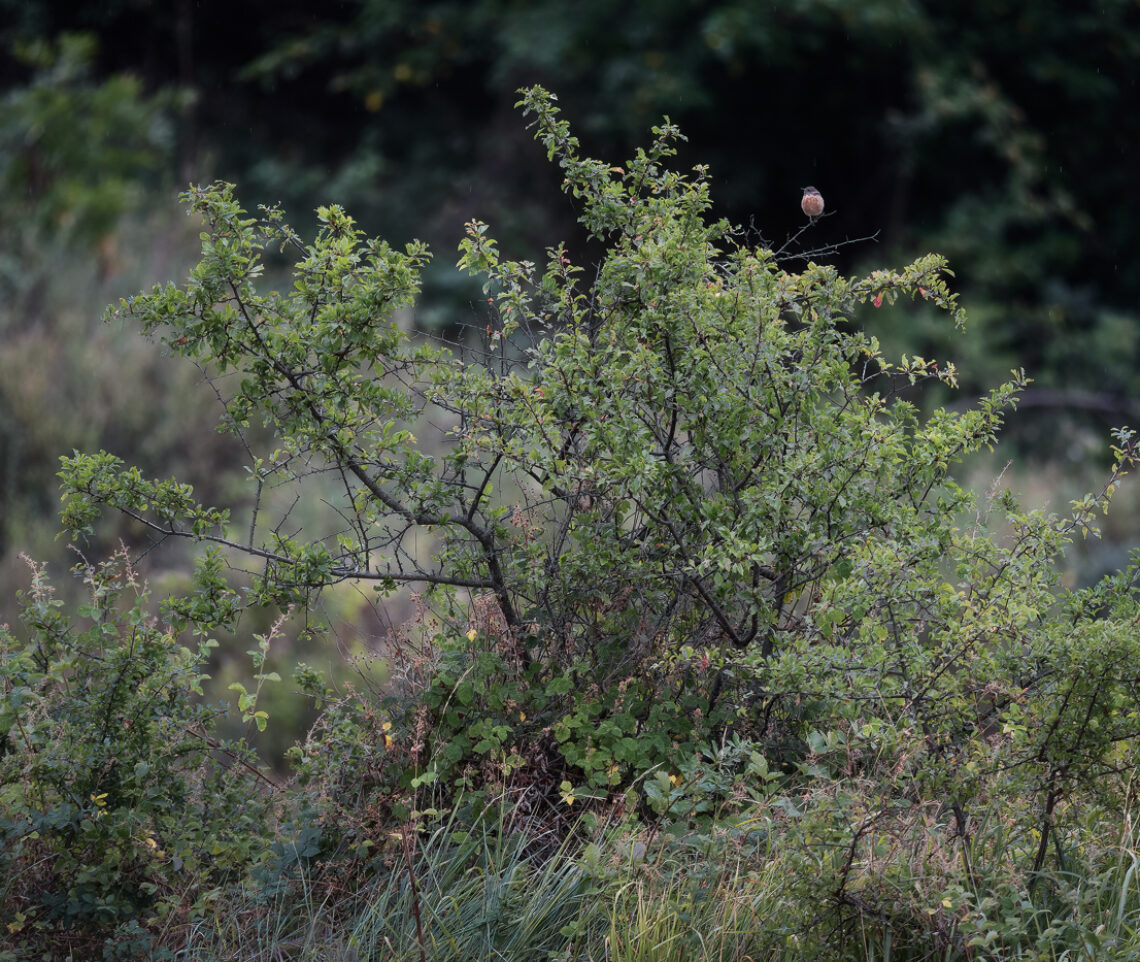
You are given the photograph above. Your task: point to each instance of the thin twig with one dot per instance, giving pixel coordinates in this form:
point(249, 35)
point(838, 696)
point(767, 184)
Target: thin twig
point(415, 892)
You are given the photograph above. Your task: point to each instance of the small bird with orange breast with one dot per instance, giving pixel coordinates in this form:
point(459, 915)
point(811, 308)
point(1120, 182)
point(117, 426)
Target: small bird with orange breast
point(812, 203)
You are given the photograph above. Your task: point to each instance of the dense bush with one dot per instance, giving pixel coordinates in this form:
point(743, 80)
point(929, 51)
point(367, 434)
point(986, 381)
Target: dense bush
point(687, 550)
point(121, 814)
point(636, 483)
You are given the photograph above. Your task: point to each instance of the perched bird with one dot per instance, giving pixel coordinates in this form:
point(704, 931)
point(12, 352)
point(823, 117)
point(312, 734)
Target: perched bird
point(812, 203)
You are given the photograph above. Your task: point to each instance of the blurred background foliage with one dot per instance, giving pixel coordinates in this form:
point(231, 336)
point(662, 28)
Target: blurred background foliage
point(998, 133)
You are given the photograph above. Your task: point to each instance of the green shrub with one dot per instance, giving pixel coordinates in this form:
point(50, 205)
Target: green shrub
point(120, 813)
point(635, 491)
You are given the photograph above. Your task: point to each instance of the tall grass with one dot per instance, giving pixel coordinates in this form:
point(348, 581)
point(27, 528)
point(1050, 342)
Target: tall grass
point(491, 891)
